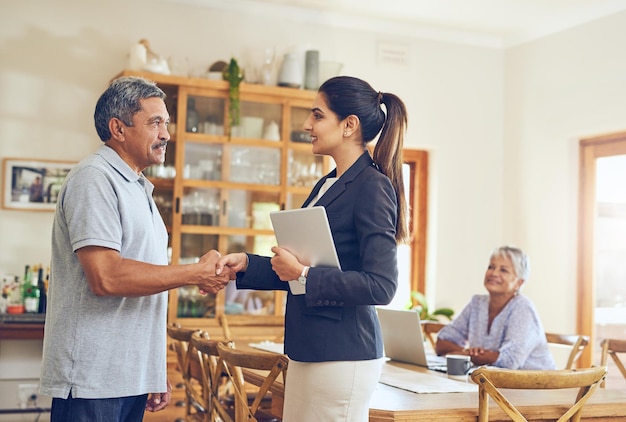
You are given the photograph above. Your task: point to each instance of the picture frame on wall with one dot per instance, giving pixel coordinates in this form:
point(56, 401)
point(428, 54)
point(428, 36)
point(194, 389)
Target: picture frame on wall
point(32, 184)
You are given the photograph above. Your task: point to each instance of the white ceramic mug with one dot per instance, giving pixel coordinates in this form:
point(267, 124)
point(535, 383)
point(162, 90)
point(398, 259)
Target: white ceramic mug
point(458, 366)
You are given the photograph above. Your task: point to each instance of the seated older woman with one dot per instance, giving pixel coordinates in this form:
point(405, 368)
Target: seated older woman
point(502, 328)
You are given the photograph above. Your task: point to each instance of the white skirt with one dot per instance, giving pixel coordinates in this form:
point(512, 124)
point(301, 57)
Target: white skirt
point(330, 391)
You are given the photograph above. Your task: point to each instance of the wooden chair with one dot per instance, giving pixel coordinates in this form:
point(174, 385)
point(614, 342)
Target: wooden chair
point(253, 327)
point(213, 374)
point(611, 347)
point(236, 361)
point(190, 369)
point(575, 341)
point(430, 330)
point(491, 380)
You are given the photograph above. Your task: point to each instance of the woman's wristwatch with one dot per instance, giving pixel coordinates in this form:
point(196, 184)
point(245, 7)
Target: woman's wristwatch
point(302, 278)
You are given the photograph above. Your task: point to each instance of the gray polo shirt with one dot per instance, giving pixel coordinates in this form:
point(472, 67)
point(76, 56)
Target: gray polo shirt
point(103, 347)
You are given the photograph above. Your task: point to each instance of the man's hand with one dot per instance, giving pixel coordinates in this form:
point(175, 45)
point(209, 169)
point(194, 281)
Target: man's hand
point(159, 401)
point(211, 281)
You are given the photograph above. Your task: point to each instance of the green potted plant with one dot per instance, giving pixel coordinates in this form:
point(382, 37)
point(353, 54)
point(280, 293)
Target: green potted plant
point(418, 303)
point(234, 75)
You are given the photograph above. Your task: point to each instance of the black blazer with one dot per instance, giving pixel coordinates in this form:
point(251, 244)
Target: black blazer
point(336, 319)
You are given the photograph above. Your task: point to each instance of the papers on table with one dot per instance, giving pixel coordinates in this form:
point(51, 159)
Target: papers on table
point(269, 346)
point(420, 382)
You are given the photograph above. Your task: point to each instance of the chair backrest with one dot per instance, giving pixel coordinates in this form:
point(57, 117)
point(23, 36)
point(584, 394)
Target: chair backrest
point(213, 371)
point(188, 365)
point(236, 361)
point(491, 380)
point(253, 327)
point(575, 341)
point(612, 347)
point(430, 330)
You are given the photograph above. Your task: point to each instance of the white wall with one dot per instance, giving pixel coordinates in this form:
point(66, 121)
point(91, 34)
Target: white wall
point(558, 89)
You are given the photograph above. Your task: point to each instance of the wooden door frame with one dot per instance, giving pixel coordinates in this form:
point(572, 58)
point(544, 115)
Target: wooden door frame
point(589, 150)
point(417, 200)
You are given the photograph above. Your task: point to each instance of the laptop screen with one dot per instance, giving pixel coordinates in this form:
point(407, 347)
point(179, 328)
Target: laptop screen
point(402, 336)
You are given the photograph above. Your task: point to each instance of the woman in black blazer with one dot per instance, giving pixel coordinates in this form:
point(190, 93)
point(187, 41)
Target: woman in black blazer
point(332, 333)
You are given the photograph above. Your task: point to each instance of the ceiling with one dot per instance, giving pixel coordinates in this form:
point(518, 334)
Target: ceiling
point(493, 23)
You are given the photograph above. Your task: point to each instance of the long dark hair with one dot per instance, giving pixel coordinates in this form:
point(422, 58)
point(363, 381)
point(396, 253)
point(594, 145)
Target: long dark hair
point(345, 96)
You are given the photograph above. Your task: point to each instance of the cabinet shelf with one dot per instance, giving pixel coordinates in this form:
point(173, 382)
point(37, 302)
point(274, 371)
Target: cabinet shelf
point(232, 231)
point(299, 190)
point(205, 138)
point(229, 185)
point(300, 146)
point(196, 183)
point(161, 183)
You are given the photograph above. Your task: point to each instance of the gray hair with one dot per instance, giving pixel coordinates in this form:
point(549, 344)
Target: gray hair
point(517, 257)
point(121, 100)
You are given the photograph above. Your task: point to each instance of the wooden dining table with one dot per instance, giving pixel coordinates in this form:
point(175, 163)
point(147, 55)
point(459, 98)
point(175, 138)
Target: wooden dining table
point(439, 398)
point(390, 403)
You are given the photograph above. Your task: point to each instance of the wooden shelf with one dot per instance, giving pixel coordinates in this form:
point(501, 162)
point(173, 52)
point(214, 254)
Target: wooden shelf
point(21, 331)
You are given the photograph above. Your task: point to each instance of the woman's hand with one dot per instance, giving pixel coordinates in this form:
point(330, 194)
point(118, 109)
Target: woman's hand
point(482, 356)
point(212, 281)
point(285, 264)
point(233, 262)
point(445, 347)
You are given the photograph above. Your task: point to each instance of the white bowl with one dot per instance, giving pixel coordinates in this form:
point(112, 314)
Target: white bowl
point(215, 76)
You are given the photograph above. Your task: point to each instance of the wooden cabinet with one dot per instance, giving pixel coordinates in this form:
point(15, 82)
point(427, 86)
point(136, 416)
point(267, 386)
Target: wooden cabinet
point(216, 191)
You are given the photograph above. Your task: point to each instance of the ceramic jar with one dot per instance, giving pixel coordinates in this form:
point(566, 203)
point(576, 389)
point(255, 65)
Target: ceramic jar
point(290, 72)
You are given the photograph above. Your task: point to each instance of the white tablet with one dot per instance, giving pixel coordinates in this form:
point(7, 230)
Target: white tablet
point(305, 232)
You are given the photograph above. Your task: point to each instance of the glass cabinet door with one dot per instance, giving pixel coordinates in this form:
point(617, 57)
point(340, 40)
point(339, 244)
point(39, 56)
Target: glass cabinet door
point(295, 200)
point(201, 207)
point(248, 209)
point(298, 115)
point(202, 161)
point(205, 115)
point(251, 302)
point(190, 303)
point(305, 169)
point(256, 165)
point(259, 120)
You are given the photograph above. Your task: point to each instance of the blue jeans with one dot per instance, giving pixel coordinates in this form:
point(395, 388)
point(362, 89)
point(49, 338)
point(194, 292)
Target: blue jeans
point(121, 409)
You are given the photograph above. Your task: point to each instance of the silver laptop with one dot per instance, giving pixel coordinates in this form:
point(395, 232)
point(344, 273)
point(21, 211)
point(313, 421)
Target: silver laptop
point(305, 232)
point(403, 340)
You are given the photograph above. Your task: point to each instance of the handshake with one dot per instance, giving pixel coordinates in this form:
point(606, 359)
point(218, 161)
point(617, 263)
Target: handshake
point(219, 270)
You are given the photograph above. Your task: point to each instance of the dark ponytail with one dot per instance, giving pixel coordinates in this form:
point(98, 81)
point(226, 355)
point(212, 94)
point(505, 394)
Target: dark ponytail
point(347, 96)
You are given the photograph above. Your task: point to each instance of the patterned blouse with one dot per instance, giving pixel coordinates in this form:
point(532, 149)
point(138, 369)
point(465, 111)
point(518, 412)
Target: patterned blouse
point(516, 333)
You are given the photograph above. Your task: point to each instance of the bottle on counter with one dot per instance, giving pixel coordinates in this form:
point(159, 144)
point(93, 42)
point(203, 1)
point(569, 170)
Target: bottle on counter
point(24, 283)
point(43, 287)
point(31, 290)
